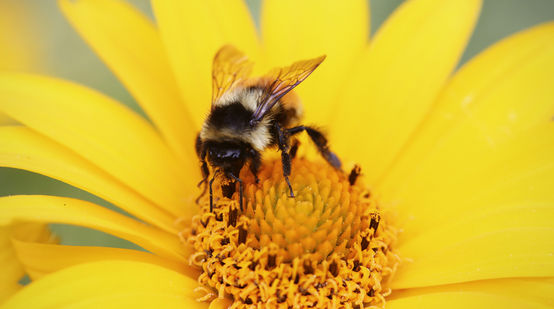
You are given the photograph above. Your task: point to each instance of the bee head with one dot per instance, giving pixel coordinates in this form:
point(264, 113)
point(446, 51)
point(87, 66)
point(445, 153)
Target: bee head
point(228, 156)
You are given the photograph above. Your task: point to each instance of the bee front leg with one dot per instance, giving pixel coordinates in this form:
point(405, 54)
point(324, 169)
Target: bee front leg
point(205, 172)
point(201, 152)
point(205, 175)
point(255, 163)
point(212, 193)
point(241, 191)
point(283, 142)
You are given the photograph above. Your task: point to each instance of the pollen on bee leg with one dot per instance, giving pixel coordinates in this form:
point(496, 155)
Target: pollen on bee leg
point(329, 246)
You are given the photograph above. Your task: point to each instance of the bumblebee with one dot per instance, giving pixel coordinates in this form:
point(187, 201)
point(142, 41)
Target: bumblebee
point(249, 115)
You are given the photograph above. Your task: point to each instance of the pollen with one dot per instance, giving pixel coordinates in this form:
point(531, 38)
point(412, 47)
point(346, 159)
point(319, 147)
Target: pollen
point(328, 247)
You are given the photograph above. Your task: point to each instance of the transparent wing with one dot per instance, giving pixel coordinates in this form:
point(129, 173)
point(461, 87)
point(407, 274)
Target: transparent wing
point(283, 81)
point(229, 67)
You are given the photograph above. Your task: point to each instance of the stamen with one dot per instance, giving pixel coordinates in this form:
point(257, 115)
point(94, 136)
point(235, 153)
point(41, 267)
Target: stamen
point(330, 246)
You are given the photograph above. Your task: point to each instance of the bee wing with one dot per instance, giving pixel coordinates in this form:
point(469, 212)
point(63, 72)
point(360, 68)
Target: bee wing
point(229, 67)
point(284, 80)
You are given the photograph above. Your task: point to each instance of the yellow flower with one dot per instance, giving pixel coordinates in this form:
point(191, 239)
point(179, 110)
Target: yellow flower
point(460, 168)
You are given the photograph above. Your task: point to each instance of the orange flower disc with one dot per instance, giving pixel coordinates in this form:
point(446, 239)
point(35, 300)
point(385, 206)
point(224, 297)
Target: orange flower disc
point(330, 245)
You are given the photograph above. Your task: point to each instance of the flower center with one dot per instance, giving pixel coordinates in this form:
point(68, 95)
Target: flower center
point(330, 245)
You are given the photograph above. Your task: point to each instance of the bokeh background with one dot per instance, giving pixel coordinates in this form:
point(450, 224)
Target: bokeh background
point(35, 37)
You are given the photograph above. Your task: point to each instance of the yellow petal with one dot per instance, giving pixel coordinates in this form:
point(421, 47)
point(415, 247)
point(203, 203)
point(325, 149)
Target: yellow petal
point(498, 224)
point(502, 91)
point(474, 178)
point(40, 259)
point(24, 149)
point(51, 209)
point(12, 269)
point(398, 79)
point(130, 45)
point(192, 32)
point(510, 241)
point(103, 132)
point(536, 290)
point(463, 299)
point(110, 284)
point(5, 120)
point(294, 30)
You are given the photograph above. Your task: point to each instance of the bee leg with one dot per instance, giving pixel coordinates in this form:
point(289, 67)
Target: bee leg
point(201, 152)
point(294, 149)
point(197, 201)
point(285, 158)
point(212, 193)
point(205, 171)
point(255, 163)
point(205, 174)
point(321, 143)
point(354, 174)
point(240, 189)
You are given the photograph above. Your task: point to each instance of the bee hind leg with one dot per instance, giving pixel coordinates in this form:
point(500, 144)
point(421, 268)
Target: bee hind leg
point(294, 149)
point(321, 143)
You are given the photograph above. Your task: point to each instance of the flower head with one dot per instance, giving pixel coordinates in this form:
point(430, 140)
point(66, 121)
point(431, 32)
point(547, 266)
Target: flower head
point(453, 207)
point(328, 246)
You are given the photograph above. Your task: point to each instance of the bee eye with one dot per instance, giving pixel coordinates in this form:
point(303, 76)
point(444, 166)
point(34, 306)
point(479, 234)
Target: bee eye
point(225, 154)
point(231, 154)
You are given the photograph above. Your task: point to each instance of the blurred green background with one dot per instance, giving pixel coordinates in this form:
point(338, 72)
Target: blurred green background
point(63, 54)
